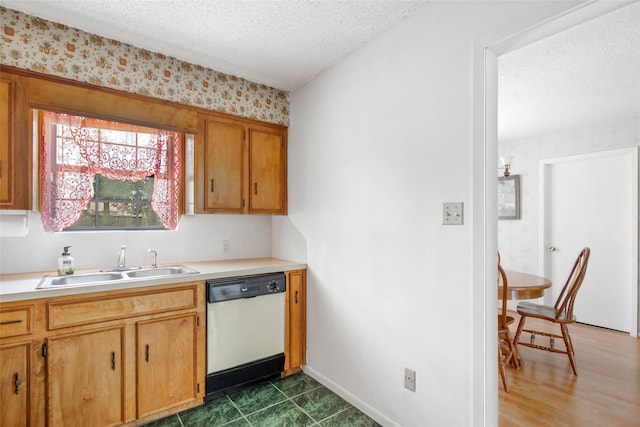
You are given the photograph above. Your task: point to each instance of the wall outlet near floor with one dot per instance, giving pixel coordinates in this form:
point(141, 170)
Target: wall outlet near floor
point(409, 379)
point(226, 246)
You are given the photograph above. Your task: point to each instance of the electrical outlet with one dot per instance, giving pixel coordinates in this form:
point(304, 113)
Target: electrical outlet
point(226, 246)
point(409, 379)
point(452, 213)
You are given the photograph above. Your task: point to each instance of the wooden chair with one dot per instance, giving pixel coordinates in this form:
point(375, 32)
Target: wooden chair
point(561, 313)
point(507, 354)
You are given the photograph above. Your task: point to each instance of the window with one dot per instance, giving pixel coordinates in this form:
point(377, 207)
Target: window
point(99, 174)
point(119, 204)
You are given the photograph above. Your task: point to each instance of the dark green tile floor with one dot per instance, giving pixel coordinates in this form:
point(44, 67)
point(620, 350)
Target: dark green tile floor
point(297, 400)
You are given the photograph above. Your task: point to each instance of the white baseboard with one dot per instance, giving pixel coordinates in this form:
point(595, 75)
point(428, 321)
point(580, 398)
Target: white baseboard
point(379, 417)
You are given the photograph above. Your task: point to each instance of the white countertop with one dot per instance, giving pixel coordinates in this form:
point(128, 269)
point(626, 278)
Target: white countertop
point(17, 287)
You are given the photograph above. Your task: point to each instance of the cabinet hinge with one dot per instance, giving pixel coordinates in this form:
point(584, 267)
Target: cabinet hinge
point(44, 350)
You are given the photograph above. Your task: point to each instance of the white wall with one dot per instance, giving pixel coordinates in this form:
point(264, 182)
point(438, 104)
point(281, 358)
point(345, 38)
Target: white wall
point(518, 240)
point(376, 144)
point(198, 238)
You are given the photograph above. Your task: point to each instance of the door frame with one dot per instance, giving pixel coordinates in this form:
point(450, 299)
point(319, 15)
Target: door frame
point(548, 21)
point(630, 154)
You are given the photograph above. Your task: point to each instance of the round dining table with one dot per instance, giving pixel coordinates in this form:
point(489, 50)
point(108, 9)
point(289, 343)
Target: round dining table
point(524, 285)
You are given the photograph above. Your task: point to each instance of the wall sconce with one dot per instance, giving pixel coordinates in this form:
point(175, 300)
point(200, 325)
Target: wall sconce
point(506, 165)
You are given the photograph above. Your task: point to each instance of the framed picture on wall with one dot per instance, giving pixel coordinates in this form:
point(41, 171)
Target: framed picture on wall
point(509, 197)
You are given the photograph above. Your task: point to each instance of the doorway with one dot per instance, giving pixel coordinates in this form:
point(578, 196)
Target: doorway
point(553, 19)
point(588, 114)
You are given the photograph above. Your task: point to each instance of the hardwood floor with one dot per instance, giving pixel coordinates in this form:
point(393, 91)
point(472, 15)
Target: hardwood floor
point(544, 391)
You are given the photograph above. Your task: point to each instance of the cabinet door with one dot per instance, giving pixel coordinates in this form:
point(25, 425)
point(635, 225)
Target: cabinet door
point(166, 363)
point(14, 385)
point(296, 320)
point(85, 379)
point(224, 172)
point(267, 171)
point(6, 139)
point(15, 145)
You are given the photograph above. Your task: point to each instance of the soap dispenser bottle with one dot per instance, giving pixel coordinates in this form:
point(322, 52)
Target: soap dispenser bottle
point(65, 263)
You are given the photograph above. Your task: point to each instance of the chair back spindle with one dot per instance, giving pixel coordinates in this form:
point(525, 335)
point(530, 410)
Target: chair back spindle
point(505, 294)
point(566, 299)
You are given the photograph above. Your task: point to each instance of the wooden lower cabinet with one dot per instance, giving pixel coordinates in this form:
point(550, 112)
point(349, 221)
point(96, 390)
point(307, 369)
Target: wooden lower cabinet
point(296, 321)
point(14, 385)
point(102, 359)
point(85, 379)
point(166, 364)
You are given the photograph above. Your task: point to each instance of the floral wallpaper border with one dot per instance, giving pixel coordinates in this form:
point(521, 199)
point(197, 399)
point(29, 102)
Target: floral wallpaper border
point(35, 44)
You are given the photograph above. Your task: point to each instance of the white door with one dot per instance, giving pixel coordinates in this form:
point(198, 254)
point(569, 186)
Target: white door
point(591, 200)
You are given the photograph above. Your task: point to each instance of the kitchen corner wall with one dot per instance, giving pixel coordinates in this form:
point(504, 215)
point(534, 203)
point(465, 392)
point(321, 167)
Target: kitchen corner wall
point(46, 47)
point(382, 139)
point(518, 240)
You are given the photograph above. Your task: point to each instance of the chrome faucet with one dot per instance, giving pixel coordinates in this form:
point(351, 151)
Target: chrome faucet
point(155, 257)
point(121, 259)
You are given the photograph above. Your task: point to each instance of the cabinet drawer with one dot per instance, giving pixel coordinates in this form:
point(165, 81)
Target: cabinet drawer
point(62, 314)
point(16, 321)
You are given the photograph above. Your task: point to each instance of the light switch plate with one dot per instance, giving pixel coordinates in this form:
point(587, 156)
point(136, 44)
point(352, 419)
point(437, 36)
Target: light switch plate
point(452, 213)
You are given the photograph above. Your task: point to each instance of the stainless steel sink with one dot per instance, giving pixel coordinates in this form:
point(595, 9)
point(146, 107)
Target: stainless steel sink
point(160, 271)
point(106, 277)
point(78, 279)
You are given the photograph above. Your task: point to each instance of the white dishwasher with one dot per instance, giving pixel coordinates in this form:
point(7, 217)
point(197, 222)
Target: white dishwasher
point(245, 331)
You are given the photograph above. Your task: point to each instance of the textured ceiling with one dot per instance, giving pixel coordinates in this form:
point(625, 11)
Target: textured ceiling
point(280, 43)
point(585, 75)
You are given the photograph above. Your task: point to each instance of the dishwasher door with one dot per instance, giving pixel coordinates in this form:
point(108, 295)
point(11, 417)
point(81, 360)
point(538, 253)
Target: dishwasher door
point(244, 330)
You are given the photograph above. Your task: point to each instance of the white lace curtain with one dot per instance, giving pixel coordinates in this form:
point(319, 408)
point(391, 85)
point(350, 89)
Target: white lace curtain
point(75, 149)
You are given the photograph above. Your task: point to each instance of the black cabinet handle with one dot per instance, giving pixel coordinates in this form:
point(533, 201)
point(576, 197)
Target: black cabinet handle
point(296, 297)
point(16, 380)
point(113, 360)
point(146, 353)
point(213, 187)
point(255, 188)
point(10, 322)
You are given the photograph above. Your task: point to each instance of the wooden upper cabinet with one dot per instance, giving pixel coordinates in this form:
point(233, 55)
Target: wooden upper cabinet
point(267, 170)
point(223, 166)
point(241, 167)
point(15, 145)
point(241, 164)
point(6, 138)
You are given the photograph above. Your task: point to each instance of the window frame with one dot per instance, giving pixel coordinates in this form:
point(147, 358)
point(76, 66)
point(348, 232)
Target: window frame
point(129, 124)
